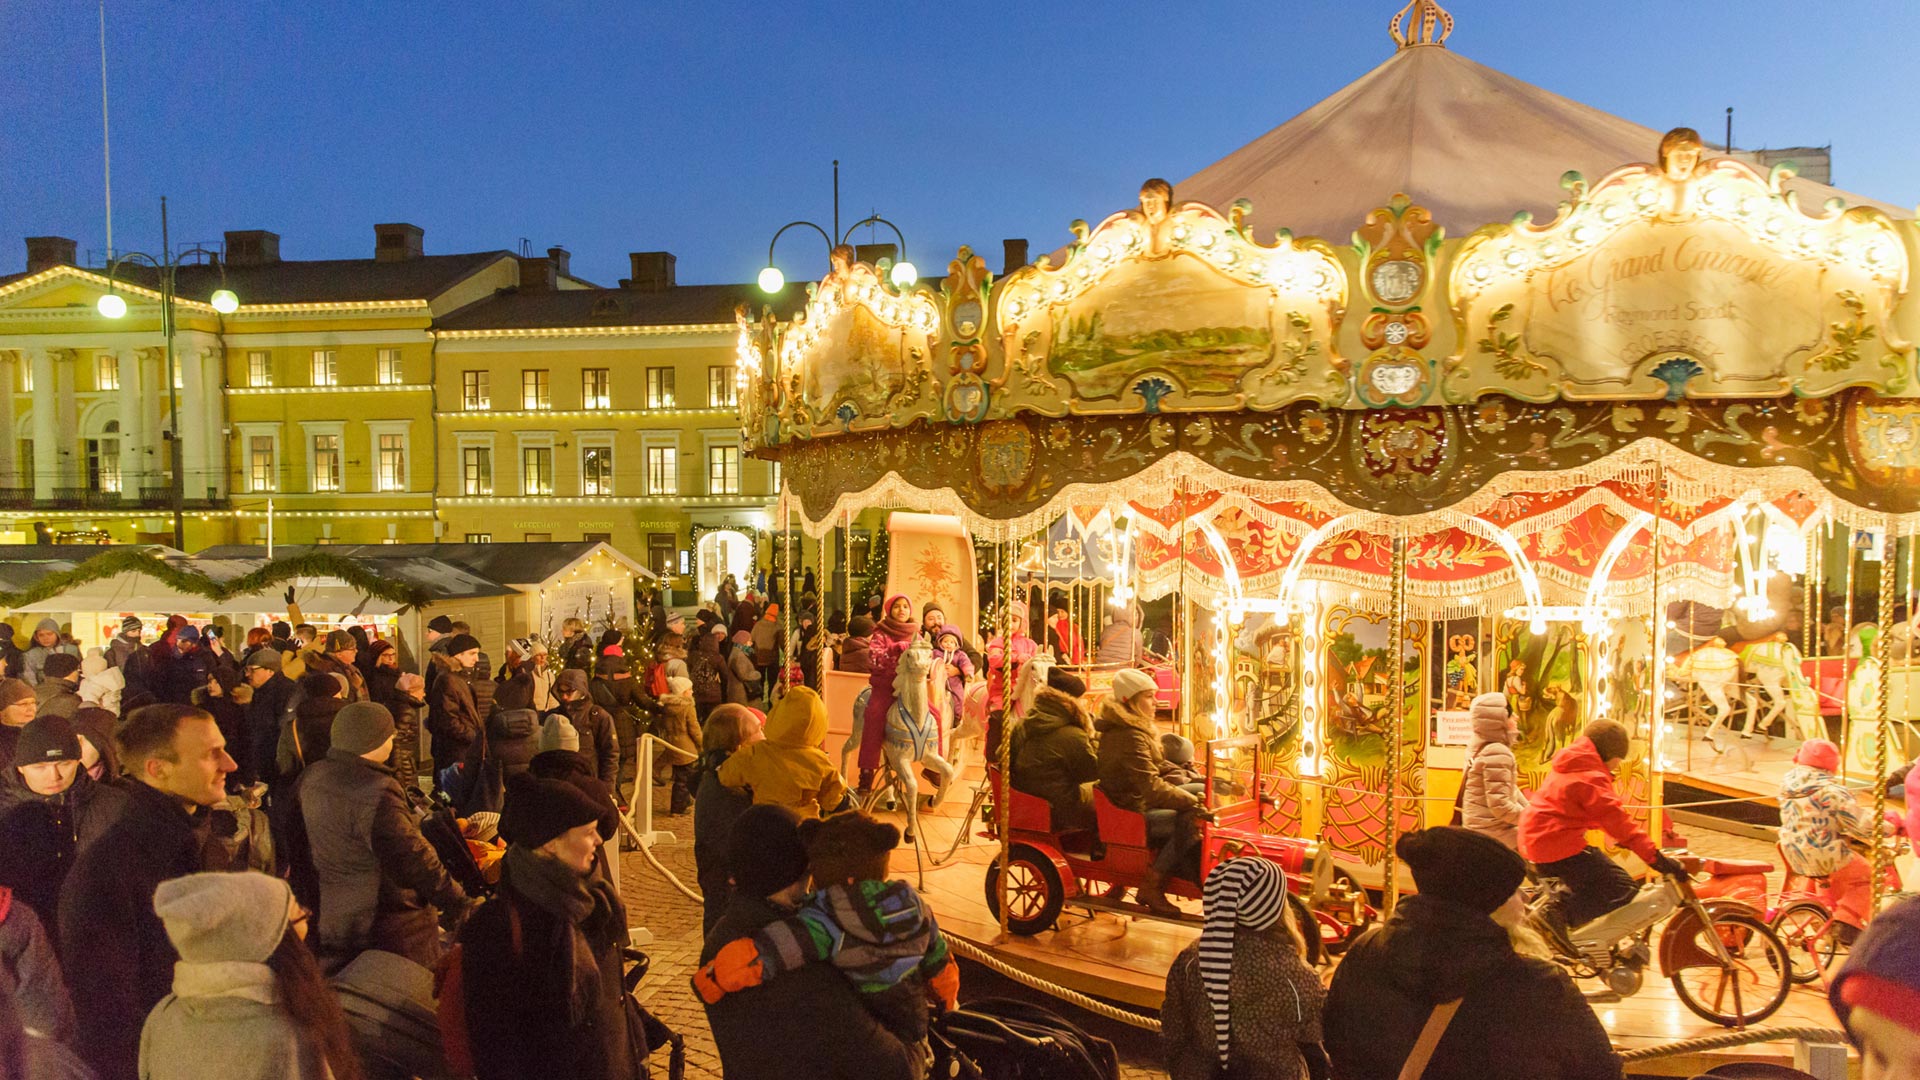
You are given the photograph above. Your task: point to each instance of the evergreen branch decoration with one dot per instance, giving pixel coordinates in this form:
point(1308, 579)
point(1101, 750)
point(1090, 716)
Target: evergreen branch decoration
point(311, 564)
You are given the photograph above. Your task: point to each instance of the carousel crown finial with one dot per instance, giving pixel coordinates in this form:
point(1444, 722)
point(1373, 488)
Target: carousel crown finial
point(1427, 23)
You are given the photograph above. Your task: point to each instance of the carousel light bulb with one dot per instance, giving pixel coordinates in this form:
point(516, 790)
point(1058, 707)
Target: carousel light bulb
point(224, 301)
point(112, 305)
point(772, 280)
point(904, 274)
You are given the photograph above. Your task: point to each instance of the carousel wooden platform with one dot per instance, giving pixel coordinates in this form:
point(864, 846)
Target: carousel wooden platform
point(1124, 959)
point(1737, 768)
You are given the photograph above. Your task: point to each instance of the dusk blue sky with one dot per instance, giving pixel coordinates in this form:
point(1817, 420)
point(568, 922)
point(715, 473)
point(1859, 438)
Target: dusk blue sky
point(701, 127)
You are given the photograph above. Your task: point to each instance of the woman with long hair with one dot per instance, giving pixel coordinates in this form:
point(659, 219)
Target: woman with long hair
point(248, 999)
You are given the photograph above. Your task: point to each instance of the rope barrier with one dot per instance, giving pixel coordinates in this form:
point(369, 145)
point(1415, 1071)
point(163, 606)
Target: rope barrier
point(1735, 1038)
point(1072, 997)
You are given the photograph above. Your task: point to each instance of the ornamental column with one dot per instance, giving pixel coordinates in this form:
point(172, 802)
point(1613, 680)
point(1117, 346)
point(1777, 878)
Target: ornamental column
point(193, 430)
point(213, 414)
point(46, 426)
point(151, 404)
point(67, 418)
point(135, 436)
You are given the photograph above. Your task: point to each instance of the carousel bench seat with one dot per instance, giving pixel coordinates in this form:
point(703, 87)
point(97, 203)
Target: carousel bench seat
point(1117, 826)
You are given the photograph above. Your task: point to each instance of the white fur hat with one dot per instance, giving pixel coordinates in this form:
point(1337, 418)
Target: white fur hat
point(678, 685)
point(1131, 682)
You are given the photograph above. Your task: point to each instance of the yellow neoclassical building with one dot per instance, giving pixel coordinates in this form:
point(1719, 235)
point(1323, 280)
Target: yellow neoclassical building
point(403, 397)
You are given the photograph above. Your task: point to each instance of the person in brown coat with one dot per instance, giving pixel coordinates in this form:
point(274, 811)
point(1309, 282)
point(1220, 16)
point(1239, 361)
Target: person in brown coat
point(452, 715)
point(1130, 758)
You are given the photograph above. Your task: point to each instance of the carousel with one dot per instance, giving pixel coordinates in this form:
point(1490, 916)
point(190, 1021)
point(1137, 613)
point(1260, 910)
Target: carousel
point(1447, 385)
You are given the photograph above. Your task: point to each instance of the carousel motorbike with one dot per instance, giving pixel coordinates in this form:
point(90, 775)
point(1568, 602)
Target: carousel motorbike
point(1725, 963)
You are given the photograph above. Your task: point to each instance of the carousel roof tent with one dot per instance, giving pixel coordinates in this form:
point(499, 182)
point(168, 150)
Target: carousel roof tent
point(1471, 144)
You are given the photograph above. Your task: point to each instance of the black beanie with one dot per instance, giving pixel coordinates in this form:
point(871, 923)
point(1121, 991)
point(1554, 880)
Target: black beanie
point(1059, 678)
point(460, 643)
point(538, 810)
point(47, 738)
point(440, 624)
point(1462, 866)
point(764, 853)
point(60, 665)
point(1609, 738)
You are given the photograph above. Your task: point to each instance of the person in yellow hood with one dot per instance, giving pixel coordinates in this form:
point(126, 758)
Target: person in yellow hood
point(788, 768)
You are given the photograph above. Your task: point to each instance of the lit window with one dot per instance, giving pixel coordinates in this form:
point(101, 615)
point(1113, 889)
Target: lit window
point(261, 467)
point(107, 371)
point(326, 463)
point(26, 378)
point(392, 468)
point(533, 389)
point(477, 462)
point(326, 367)
point(479, 538)
point(387, 368)
point(723, 470)
point(536, 470)
point(663, 470)
point(595, 389)
point(179, 376)
point(260, 368)
point(659, 388)
point(596, 470)
point(473, 391)
point(721, 388)
point(103, 462)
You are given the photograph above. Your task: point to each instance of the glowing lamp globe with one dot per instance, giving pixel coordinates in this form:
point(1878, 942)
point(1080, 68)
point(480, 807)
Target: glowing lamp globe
point(904, 274)
point(112, 305)
point(225, 302)
point(772, 280)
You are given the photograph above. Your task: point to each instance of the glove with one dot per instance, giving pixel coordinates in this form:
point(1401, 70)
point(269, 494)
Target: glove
point(735, 967)
point(1664, 863)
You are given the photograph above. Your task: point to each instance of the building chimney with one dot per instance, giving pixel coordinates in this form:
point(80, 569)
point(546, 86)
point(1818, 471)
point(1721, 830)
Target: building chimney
point(252, 247)
point(652, 271)
point(1015, 255)
point(47, 252)
point(536, 274)
point(397, 242)
point(561, 260)
point(871, 254)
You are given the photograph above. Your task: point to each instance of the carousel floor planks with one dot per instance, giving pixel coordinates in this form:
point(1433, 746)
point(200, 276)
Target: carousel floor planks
point(1125, 959)
point(1736, 768)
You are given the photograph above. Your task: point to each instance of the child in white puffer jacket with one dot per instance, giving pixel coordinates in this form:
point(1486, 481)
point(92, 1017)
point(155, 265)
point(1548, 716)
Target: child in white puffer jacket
point(1493, 801)
point(100, 684)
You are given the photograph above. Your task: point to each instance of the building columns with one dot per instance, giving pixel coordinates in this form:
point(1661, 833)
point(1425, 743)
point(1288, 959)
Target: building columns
point(9, 423)
point(134, 434)
point(67, 461)
point(213, 416)
point(46, 425)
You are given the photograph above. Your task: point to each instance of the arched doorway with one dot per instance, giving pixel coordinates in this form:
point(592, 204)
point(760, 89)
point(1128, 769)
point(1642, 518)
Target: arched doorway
point(719, 553)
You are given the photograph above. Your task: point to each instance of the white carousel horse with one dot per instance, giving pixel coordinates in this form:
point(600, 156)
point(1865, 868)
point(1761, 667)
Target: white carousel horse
point(1775, 663)
point(1711, 668)
point(914, 730)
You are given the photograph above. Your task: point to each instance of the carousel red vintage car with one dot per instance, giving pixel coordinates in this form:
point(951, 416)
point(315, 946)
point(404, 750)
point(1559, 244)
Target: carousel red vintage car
point(1048, 870)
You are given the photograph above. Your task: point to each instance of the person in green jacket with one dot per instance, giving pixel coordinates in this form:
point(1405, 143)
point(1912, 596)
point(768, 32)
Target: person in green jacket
point(1053, 755)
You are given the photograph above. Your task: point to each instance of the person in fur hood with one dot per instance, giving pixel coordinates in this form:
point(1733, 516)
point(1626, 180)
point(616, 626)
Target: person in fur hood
point(1492, 802)
point(680, 726)
point(101, 684)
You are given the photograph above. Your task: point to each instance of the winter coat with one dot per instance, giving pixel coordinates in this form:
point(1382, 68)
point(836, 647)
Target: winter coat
point(715, 806)
point(116, 954)
point(1120, 643)
point(452, 716)
point(178, 674)
point(706, 670)
point(42, 835)
point(1053, 758)
point(34, 660)
point(856, 656)
point(999, 654)
point(1578, 795)
point(883, 656)
point(56, 697)
point(1275, 1009)
point(577, 652)
point(788, 768)
point(1817, 814)
point(1493, 801)
point(680, 726)
point(383, 686)
point(30, 974)
point(768, 637)
point(229, 711)
point(380, 880)
point(513, 737)
point(1130, 760)
point(104, 690)
point(743, 678)
point(259, 744)
point(333, 665)
point(484, 689)
point(226, 1020)
point(1520, 1019)
point(599, 743)
point(308, 738)
point(808, 1024)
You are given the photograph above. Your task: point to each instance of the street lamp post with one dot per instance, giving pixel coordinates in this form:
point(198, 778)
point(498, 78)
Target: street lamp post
point(114, 306)
point(902, 275)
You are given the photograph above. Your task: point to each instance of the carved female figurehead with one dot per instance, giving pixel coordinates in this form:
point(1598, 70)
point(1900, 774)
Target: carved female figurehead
point(1156, 198)
point(1680, 152)
point(840, 259)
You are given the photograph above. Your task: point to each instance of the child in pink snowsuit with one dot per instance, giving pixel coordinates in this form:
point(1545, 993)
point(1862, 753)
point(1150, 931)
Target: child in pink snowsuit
point(894, 632)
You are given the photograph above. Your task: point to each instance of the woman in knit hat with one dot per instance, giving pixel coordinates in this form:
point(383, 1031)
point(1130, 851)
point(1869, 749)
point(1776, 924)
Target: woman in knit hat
point(1513, 1017)
point(743, 675)
point(541, 963)
point(1243, 999)
point(1129, 758)
point(248, 1000)
point(1491, 801)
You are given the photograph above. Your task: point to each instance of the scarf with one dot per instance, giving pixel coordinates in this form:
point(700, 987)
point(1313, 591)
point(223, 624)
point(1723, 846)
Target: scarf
point(226, 978)
point(1249, 892)
point(554, 886)
point(898, 629)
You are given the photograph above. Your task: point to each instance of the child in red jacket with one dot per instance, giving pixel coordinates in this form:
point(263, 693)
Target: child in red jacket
point(1578, 795)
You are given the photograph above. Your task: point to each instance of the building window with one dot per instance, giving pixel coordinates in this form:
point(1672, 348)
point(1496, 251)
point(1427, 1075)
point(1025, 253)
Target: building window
point(326, 463)
point(261, 467)
point(721, 388)
point(387, 368)
point(103, 465)
point(533, 390)
point(326, 367)
point(391, 470)
point(596, 470)
point(479, 538)
point(662, 553)
point(474, 394)
point(596, 390)
point(536, 470)
point(858, 547)
point(259, 368)
point(659, 388)
point(477, 466)
point(540, 538)
point(23, 460)
point(597, 537)
point(179, 375)
point(663, 470)
point(106, 371)
point(26, 378)
point(723, 470)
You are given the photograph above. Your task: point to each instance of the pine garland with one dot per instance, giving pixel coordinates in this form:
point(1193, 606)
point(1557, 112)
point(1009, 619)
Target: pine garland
point(312, 564)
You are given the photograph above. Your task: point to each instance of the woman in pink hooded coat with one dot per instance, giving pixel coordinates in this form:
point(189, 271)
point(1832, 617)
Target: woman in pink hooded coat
point(894, 632)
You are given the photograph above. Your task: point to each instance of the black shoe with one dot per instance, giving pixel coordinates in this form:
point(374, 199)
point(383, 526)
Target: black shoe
point(1553, 920)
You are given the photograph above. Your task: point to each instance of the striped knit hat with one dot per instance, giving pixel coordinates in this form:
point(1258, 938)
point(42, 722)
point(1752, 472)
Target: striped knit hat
point(1250, 892)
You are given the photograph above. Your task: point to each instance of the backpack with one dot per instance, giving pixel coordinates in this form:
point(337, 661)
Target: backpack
point(708, 687)
point(657, 679)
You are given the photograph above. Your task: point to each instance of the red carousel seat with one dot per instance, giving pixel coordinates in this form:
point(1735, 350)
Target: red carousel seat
point(1733, 867)
point(1117, 826)
point(1029, 813)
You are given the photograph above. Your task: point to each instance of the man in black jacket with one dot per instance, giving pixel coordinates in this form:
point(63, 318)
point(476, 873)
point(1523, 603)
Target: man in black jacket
point(117, 956)
point(261, 733)
point(381, 884)
point(50, 811)
point(599, 742)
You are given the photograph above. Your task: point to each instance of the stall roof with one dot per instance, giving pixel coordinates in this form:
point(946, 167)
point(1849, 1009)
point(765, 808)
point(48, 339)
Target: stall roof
point(23, 565)
point(505, 564)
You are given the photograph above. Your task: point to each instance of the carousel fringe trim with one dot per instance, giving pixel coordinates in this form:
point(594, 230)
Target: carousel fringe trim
point(308, 565)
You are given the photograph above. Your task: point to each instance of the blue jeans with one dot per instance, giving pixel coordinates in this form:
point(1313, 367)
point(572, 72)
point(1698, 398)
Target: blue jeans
point(1178, 840)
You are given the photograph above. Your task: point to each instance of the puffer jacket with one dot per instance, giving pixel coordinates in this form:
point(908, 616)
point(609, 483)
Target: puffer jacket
point(855, 655)
point(42, 835)
point(1053, 758)
point(1494, 801)
point(788, 768)
point(1578, 795)
point(1817, 814)
point(34, 660)
point(513, 737)
point(1519, 1019)
point(678, 725)
point(1130, 759)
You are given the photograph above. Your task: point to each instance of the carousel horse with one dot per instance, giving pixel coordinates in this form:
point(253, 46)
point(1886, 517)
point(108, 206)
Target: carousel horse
point(1774, 662)
point(914, 728)
point(1710, 668)
point(970, 726)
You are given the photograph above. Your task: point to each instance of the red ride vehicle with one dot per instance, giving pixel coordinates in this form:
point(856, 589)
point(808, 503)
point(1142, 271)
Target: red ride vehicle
point(1047, 870)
